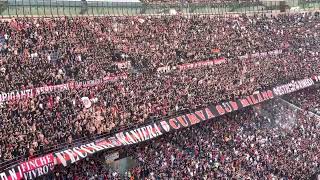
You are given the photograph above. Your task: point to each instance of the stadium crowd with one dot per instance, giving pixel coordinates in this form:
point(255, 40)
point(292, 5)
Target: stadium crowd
point(307, 99)
point(90, 168)
point(282, 144)
point(38, 52)
point(240, 146)
point(52, 51)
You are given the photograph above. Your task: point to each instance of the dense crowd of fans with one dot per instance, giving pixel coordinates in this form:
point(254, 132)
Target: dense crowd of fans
point(38, 52)
point(307, 99)
point(239, 146)
point(51, 51)
point(89, 168)
point(270, 141)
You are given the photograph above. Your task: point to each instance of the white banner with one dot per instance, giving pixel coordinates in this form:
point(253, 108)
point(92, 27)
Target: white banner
point(199, 64)
point(29, 93)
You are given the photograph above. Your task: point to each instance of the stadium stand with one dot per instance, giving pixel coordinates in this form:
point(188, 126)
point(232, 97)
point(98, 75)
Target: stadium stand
point(68, 81)
point(90, 52)
point(243, 145)
point(307, 99)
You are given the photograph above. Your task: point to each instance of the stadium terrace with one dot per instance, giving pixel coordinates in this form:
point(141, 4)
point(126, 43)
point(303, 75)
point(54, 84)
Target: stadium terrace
point(179, 96)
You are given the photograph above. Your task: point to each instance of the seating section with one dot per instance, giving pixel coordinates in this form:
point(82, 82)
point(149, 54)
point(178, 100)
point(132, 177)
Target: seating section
point(259, 51)
point(307, 99)
point(242, 145)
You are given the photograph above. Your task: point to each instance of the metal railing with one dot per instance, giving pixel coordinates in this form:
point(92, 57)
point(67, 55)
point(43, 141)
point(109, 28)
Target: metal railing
point(51, 8)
